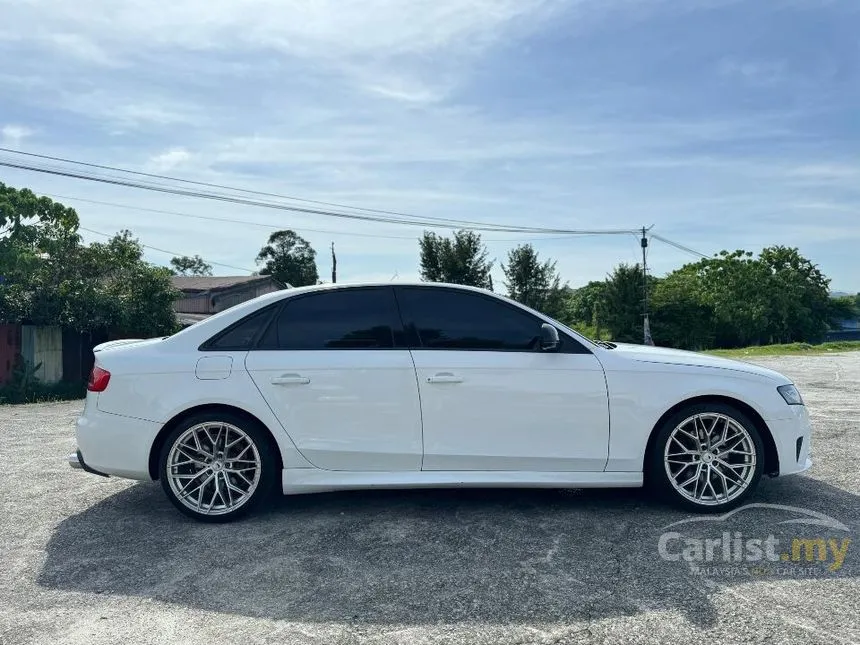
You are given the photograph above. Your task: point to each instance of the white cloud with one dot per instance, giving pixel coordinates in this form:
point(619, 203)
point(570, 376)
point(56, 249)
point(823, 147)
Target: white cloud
point(831, 178)
point(320, 29)
point(826, 206)
point(169, 160)
point(150, 112)
point(389, 46)
point(81, 47)
point(13, 135)
point(754, 72)
point(408, 91)
point(827, 171)
point(119, 109)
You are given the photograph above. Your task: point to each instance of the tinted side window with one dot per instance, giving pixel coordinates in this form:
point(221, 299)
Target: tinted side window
point(241, 335)
point(337, 319)
point(449, 319)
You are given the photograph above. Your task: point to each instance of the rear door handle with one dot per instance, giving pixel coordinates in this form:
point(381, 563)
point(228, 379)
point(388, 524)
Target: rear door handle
point(290, 379)
point(444, 377)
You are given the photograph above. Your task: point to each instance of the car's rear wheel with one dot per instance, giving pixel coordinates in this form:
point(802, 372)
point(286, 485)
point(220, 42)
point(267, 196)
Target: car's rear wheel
point(215, 467)
point(707, 457)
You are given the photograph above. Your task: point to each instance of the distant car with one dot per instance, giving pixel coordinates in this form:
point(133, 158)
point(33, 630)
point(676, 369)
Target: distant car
point(426, 385)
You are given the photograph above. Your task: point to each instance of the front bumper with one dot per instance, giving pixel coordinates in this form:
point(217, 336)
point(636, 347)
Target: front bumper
point(793, 439)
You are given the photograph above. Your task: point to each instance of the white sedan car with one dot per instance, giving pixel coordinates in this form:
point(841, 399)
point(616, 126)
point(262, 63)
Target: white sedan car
point(426, 385)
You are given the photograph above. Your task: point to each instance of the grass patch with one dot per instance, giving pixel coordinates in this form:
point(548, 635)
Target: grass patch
point(42, 393)
point(789, 349)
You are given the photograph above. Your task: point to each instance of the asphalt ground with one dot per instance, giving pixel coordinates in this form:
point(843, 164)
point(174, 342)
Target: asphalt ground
point(92, 560)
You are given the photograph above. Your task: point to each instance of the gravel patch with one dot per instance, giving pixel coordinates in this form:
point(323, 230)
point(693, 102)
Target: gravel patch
point(93, 560)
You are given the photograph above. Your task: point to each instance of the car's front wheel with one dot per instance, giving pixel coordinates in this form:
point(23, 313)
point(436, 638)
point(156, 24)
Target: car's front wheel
point(707, 457)
point(216, 467)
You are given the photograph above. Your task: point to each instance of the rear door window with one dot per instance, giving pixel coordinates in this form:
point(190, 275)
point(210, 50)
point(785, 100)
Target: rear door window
point(364, 318)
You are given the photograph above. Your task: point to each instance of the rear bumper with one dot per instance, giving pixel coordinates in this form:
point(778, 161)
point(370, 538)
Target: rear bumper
point(793, 439)
point(110, 444)
point(76, 461)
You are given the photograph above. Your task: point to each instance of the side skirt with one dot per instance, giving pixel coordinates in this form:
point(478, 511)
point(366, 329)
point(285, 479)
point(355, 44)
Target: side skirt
point(312, 480)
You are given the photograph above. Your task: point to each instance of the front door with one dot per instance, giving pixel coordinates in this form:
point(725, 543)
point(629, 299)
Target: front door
point(330, 371)
point(490, 398)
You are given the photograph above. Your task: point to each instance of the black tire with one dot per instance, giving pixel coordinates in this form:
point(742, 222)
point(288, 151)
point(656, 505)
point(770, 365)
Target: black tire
point(265, 478)
point(658, 479)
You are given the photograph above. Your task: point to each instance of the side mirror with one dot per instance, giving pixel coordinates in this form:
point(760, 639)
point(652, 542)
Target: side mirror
point(548, 338)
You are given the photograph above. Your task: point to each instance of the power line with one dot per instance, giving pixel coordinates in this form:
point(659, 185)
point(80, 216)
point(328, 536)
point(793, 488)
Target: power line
point(212, 185)
point(277, 227)
point(395, 217)
point(189, 193)
point(212, 218)
point(284, 207)
point(679, 246)
point(173, 253)
point(420, 220)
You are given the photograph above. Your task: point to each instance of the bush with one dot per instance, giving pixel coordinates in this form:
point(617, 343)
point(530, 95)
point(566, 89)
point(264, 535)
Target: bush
point(25, 387)
point(590, 331)
point(42, 392)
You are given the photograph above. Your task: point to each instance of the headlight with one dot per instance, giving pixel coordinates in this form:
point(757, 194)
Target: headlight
point(790, 394)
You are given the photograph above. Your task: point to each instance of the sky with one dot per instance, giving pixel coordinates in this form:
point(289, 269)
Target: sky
point(724, 124)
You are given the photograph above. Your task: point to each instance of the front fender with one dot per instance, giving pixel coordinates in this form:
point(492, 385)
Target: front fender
point(639, 398)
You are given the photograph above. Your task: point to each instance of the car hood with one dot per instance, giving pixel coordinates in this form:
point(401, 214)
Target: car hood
point(667, 356)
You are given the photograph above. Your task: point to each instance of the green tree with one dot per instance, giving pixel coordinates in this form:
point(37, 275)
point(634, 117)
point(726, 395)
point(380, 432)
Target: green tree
point(680, 317)
point(24, 216)
point(799, 296)
point(64, 287)
point(138, 296)
point(734, 286)
point(779, 296)
point(290, 259)
point(584, 306)
point(461, 259)
point(47, 277)
point(35, 232)
point(102, 286)
point(621, 305)
point(843, 308)
point(534, 283)
point(186, 265)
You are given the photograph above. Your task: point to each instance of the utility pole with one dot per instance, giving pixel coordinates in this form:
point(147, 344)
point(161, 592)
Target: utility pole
point(333, 265)
point(646, 327)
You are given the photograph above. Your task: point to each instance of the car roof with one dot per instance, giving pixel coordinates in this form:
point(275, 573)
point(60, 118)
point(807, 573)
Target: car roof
point(295, 291)
point(398, 283)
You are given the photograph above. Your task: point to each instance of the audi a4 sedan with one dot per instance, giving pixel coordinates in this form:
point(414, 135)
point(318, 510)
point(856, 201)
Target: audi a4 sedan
point(426, 385)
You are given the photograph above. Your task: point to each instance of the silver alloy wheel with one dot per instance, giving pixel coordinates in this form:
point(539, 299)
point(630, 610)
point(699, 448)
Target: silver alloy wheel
point(710, 458)
point(213, 468)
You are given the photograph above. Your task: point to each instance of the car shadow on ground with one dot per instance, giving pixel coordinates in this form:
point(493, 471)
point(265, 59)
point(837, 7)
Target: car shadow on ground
point(424, 557)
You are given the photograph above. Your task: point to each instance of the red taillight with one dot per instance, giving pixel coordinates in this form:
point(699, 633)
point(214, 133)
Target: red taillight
point(99, 379)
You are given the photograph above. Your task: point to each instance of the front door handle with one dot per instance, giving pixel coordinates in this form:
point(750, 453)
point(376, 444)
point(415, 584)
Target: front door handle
point(290, 379)
point(445, 377)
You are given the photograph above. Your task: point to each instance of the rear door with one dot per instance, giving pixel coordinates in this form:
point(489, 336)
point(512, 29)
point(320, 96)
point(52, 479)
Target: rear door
point(334, 369)
point(491, 399)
